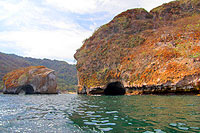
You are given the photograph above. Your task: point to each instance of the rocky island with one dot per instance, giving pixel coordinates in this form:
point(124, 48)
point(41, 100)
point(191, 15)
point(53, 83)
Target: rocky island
point(141, 52)
point(30, 80)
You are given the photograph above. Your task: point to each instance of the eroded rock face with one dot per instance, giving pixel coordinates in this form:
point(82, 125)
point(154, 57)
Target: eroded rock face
point(30, 80)
point(115, 88)
point(188, 85)
point(147, 52)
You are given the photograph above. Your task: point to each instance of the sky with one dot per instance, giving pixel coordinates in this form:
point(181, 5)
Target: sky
point(55, 29)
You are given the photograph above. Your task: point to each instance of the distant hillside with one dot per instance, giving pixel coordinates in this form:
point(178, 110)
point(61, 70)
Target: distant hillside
point(67, 77)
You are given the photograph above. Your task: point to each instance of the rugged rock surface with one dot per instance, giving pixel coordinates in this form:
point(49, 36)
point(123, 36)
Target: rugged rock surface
point(66, 73)
point(146, 52)
point(30, 80)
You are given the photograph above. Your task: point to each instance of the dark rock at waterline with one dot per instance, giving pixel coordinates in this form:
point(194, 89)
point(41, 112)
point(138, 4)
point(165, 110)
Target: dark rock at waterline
point(112, 88)
point(115, 88)
point(97, 91)
point(188, 85)
point(30, 80)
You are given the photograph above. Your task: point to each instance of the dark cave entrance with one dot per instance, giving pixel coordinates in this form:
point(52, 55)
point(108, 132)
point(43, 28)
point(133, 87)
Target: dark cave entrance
point(26, 89)
point(115, 88)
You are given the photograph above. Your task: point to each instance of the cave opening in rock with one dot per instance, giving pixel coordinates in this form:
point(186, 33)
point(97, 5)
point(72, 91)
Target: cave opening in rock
point(26, 89)
point(115, 88)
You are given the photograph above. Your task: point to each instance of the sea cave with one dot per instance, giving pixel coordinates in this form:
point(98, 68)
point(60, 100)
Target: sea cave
point(115, 88)
point(26, 89)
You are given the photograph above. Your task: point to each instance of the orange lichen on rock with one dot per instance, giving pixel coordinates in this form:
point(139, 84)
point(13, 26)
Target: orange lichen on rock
point(134, 93)
point(139, 48)
point(11, 79)
point(42, 80)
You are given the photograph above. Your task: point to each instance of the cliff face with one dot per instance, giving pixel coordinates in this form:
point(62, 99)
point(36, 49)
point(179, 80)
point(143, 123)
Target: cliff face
point(30, 80)
point(145, 52)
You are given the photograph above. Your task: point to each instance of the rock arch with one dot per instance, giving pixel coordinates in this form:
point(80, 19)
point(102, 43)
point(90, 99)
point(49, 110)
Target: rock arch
point(115, 88)
point(26, 89)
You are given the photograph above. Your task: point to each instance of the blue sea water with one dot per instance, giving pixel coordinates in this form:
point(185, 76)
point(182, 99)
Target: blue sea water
point(69, 113)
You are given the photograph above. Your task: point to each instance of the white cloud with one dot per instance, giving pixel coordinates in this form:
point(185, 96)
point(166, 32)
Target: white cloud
point(48, 29)
point(60, 44)
point(150, 4)
point(93, 6)
point(109, 6)
point(8, 9)
point(39, 35)
point(76, 6)
point(21, 15)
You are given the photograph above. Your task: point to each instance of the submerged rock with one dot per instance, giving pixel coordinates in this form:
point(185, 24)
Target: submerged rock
point(30, 80)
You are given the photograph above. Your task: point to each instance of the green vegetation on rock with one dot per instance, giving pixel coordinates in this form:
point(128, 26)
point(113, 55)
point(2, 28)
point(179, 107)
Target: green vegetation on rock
point(140, 48)
point(66, 73)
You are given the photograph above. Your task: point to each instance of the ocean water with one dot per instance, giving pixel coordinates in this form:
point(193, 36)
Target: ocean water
point(70, 113)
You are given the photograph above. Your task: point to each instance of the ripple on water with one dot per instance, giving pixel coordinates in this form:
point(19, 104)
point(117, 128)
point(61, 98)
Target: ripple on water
point(97, 116)
point(111, 112)
point(159, 131)
point(104, 118)
point(173, 124)
point(148, 132)
point(194, 128)
point(90, 112)
point(72, 113)
point(90, 123)
point(97, 123)
point(106, 129)
point(183, 128)
point(107, 124)
point(105, 121)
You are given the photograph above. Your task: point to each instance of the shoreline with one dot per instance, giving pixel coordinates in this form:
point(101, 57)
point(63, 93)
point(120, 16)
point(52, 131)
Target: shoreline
point(127, 94)
point(66, 92)
point(161, 91)
point(170, 94)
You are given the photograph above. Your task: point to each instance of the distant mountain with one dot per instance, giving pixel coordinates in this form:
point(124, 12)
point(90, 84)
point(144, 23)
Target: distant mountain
point(67, 77)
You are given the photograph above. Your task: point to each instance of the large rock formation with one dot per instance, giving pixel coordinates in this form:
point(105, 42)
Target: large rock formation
point(30, 80)
point(66, 73)
point(144, 52)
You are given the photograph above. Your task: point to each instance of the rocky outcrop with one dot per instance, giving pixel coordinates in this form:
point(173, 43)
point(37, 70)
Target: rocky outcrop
point(30, 80)
point(188, 85)
point(144, 52)
point(66, 73)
